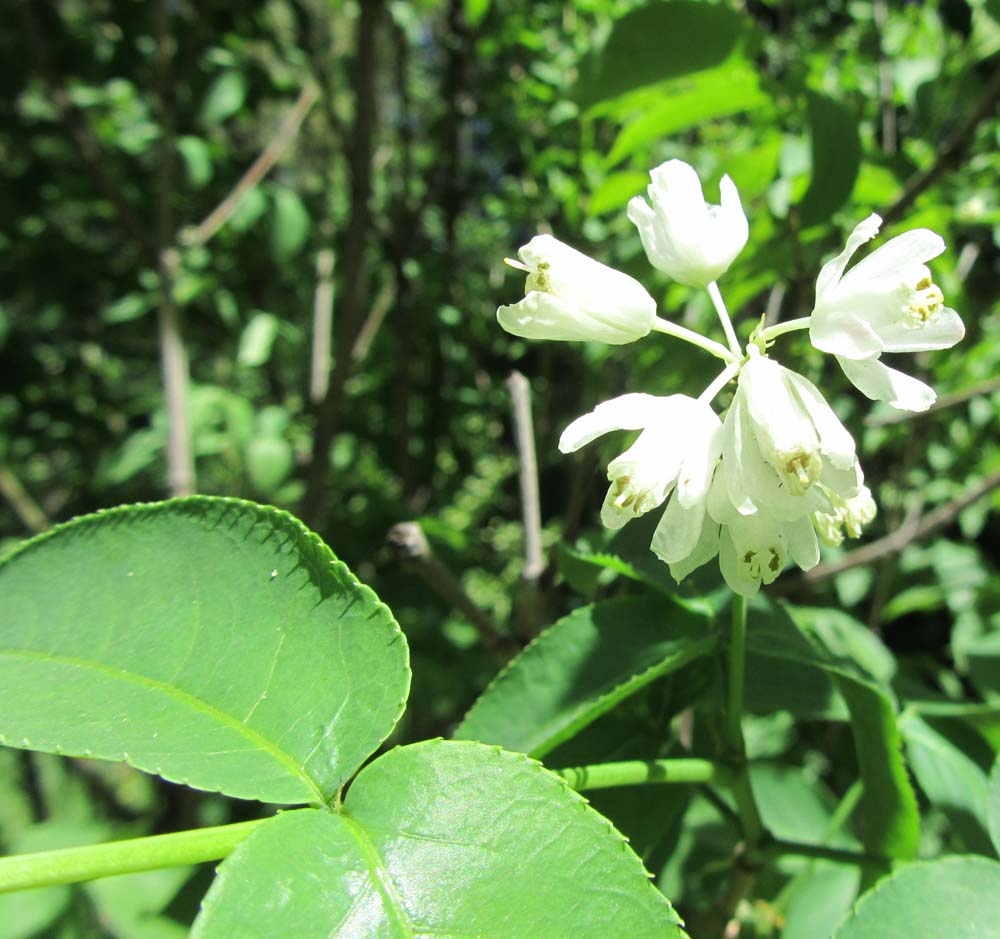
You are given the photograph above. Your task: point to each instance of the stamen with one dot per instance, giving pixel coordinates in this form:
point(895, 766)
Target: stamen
point(517, 265)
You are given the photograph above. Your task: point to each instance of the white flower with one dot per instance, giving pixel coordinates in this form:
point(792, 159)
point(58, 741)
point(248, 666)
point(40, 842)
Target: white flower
point(683, 235)
point(784, 450)
point(753, 549)
point(573, 297)
point(851, 514)
point(676, 452)
point(885, 303)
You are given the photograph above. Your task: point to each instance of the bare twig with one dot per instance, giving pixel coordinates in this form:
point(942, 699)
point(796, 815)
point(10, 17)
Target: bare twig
point(950, 153)
point(945, 401)
point(410, 545)
point(26, 509)
point(909, 531)
point(373, 322)
point(524, 435)
point(260, 167)
point(319, 373)
point(173, 356)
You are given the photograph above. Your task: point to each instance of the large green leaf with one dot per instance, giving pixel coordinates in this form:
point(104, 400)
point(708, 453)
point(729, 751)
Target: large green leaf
point(951, 780)
point(212, 641)
point(891, 821)
point(993, 805)
point(582, 666)
point(836, 159)
point(656, 42)
point(440, 838)
point(688, 102)
point(957, 898)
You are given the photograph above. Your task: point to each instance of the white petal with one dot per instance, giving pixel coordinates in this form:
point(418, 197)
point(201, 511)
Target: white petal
point(678, 531)
point(942, 332)
point(706, 548)
point(734, 432)
point(676, 184)
point(700, 458)
point(611, 515)
point(627, 412)
point(836, 442)
point(881, 383)
point(803, 546)
point(732, 572)
point(833, 270)
point(912, 247)
point(843, 334)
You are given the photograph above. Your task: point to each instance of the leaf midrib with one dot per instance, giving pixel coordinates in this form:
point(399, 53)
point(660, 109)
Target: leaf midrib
point(259, 741)
point(382, 879)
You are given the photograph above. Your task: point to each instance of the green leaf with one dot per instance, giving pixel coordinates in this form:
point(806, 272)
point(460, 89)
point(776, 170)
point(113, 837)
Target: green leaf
point(212, 641)
point(656, 42)
point(615, 191)
point(197, 160)
point(993, 805)
point(476, 10)
point(836, 158)
point(950, 779)
point(890, 819)
point(688, 102)
point(581, 667)
point(224, 98)
point(257, 339)
point(440, 838)
point(957, 897)
point(289, 223)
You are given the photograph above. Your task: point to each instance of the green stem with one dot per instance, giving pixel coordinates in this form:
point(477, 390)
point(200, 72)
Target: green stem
point(779, 329)
point(746, 804)
point(689, 335)
point(644, 772)
point(725, 319)
point(779, 847)
point(70, 865)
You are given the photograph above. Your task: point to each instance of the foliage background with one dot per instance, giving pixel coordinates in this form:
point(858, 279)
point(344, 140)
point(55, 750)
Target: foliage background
point(442, 135)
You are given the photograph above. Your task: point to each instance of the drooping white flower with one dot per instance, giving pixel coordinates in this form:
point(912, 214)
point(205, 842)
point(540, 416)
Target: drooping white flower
point(676, 452)
point(685, 237)
point(570, 296)
point(784, 450)
point(754, 548)
point(850, 515)
point(887, 302)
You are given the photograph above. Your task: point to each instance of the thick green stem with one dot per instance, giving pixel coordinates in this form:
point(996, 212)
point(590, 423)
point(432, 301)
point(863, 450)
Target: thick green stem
point(644, 772)
point(70, 865)
point(746, 804)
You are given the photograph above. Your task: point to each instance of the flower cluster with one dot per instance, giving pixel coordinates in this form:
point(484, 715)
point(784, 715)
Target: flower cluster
point(777, 472)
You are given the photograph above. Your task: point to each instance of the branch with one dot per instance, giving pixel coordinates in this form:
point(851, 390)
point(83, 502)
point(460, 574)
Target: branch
point(319, 373)
point(197, 236)
point(409, 544)
point(173, 355)
point(949, 155)
point(520, 399)
point(932, 521)
point(25, 508)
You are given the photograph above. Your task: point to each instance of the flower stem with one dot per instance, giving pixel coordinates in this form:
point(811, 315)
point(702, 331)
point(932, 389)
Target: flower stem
point(724, 318)
point(746, 804)
point(70, 865)
point(779, 329)
point(689, 335)
point(720, 382)
point(643, 772)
